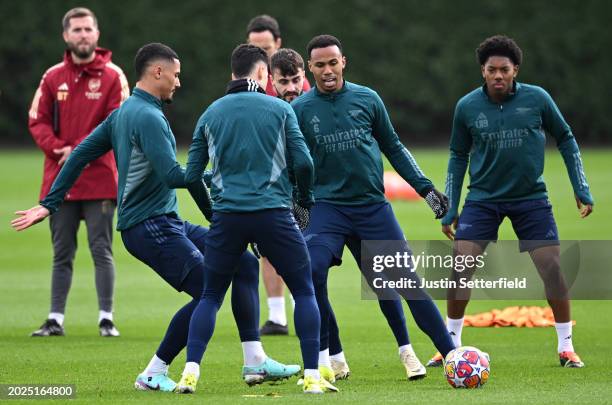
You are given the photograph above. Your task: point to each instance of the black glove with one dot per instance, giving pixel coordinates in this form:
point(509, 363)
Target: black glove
point(438, 202)
point(255, 250)
point(301, 215)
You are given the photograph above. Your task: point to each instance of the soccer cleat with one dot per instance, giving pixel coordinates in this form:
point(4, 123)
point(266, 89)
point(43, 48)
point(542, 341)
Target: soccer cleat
point(273, 328)
point(108, 329)
point(49, 328)
point(414, 369)
point(320, 386)
point(570, 360)
point(187, 384)
point(436, 361)
point(341, 369)
point(327, 374)
point(269, 370)
point(158, 382)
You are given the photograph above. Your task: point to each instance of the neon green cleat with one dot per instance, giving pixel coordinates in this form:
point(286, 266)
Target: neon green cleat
point(320, 386)
point(327, 374)
point(187, 384)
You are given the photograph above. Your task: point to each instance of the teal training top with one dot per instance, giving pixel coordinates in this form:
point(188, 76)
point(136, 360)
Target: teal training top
point(346, 132)
point(145, 152)
point(505, 144)
point(250, 139)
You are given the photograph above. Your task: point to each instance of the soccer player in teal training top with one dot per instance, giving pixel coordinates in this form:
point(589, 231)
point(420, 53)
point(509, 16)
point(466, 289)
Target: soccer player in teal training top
point(346, 127)
point(145, 151)
point(499, 130)
point(250, 140)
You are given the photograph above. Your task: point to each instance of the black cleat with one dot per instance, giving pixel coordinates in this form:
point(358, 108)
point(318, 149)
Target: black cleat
point(273, 328)
point(107, 328)
point(570, 360)
point(49, 328)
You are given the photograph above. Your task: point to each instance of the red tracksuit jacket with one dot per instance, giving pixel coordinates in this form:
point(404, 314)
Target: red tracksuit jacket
point(69, 103)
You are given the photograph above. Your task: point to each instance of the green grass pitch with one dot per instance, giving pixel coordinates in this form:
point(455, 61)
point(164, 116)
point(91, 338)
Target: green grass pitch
point(524, 361)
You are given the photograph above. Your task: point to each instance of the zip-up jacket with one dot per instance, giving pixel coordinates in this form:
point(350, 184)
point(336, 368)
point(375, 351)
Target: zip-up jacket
point(69, 103)
point(504, 144)
point(346, 131)
point(250, 139)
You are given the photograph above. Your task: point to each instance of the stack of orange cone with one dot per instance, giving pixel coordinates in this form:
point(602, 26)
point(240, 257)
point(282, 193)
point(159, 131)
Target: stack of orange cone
point(518, 316)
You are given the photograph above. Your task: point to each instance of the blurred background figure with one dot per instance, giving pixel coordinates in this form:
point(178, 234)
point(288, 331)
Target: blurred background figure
point(73, 97)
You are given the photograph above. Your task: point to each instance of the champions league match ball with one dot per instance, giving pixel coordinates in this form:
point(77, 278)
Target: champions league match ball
point(467, 367)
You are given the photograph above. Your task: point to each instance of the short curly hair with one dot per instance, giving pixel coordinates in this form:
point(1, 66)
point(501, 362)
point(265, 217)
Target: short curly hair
point(499, 45)
point(287, 61)
point(323, 41)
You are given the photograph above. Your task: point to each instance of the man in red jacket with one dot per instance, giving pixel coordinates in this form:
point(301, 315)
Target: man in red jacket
point(263, 31)
point(73, 97)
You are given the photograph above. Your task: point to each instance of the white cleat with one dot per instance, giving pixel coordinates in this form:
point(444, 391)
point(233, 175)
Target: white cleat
point(414, 369)
point(341, 369)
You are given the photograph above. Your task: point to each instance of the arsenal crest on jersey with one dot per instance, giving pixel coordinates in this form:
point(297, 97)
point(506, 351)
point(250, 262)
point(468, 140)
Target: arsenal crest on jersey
point(94, 86)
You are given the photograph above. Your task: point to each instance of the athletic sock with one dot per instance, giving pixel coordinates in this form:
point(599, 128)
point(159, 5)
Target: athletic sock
point(59, 318)
point(155, 366)
point(324, 359)
point(454, 327)
point(192, 368)
point(276, 309)
point(105, 315)
point(253, 353)
point(404, 348)
point(314, 373)
point(338, 357)
point(564, 337)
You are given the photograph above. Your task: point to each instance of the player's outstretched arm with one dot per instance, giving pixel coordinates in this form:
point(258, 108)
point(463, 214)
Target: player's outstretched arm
point(194, 174)
point(399, 156)
point(29, 217)
point(403, 162)
point(95, 145)
point(555, 124)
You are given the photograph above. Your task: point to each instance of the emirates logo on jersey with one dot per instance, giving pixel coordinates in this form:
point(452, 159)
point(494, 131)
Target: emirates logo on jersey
point(93, 93)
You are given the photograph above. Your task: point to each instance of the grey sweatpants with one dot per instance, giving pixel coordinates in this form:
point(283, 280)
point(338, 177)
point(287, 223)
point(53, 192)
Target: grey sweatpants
point(98, 216)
